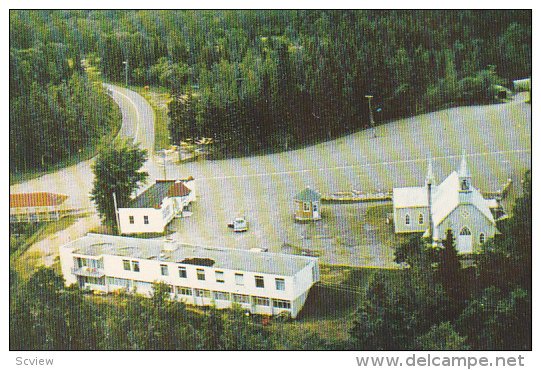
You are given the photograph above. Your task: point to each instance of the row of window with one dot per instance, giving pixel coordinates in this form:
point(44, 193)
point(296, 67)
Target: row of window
point(280, 284)
point(463, 231)
point(88, 262)
point(421, 219)
point(131, 265)
point(234, 297)
point(132, 220)
point(187, 291)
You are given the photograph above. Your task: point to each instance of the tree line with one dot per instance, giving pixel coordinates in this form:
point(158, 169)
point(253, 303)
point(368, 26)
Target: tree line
point(57, 109)
point(259, 81)
point(434, 304)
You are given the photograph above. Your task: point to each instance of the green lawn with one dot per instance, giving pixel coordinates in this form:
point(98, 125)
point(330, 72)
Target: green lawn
point(330, 307)
point(25, 236)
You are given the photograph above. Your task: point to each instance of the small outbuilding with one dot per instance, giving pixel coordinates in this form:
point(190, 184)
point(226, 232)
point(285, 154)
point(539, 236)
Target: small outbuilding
point(307, 205)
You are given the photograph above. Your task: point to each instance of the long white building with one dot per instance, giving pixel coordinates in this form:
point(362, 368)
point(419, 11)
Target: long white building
point(261, 282)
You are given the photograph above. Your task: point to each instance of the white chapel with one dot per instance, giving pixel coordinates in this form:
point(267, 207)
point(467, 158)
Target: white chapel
point(454, 204)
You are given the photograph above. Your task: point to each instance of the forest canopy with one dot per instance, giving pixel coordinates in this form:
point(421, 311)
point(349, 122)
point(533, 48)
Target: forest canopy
point(259, 81)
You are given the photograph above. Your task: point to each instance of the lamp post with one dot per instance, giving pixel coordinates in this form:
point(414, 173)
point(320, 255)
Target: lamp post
point(126, 71)
point(371, 114)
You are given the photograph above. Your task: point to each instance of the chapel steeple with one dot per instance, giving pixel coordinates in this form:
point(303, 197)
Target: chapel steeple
point(429, 180)
point(464, 175)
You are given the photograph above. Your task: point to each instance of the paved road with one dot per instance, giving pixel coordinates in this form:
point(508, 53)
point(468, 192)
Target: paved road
point(76, 180)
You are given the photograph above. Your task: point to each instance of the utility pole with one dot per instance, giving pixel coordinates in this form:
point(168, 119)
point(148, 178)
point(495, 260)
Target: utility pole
point(126, 71)
point(164, 166)
point(372, 123)
point(116, 214)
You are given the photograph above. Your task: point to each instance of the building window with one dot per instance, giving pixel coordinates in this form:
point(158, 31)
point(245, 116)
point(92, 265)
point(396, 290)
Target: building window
point(182, 290)
point(126, 264)
point(261, 301)
point(421, 219)
point(259, 282)
point(132, 220)
point(135, 266)
point(278, 303)
point(314, 207)
point(306, 207)
point(221, 296)
point(117, 281)
point(164, 269)
point(280, 284)
point(407, 219)
point(481, 238)
point(239, 279)
point(465, 185)
point(200, 274)
point(203, 293)
point(145, 218)
point(219, 276)
point(465, 231)
point(182, 272)
point(241, 298)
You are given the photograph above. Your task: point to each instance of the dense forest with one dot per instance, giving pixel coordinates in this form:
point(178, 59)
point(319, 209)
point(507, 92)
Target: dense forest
point(259, 81)
point(435, 304)
point(58, 110)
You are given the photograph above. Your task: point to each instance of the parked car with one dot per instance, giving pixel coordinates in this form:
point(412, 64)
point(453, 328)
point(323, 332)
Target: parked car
point(239, 224)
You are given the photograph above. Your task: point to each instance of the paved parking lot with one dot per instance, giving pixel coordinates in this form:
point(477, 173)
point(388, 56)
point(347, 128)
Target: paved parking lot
point(496, 139)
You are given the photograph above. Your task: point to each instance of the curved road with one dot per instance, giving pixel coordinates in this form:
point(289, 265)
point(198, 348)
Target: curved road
point(76, 181)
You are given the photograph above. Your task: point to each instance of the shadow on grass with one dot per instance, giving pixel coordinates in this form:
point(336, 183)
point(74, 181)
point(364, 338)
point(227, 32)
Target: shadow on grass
point(340, 292)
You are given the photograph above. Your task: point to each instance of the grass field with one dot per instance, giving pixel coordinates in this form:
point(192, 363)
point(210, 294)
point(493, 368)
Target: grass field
point(24, 262)
point(330, 307)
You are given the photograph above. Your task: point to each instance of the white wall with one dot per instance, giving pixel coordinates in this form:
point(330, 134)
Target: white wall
point(158, 218)
point(296, 287)
point(67, 263)
point(476, 222)
point(399, 219)
point(155, 220)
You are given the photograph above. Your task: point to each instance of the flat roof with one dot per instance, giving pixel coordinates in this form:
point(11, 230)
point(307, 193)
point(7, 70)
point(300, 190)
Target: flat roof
point(224, 258)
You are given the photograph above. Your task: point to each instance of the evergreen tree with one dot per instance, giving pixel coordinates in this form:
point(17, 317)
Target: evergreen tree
point(117, 171)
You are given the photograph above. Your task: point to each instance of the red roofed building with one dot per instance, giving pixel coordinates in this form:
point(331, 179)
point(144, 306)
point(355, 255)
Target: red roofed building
point(36, 207)
point(153, 209)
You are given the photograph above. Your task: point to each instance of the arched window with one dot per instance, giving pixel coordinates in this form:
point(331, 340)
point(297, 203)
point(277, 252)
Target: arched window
point(421, 219)
point(481, 238)
point(407, 219)
point(465, 185)
point(465, 231)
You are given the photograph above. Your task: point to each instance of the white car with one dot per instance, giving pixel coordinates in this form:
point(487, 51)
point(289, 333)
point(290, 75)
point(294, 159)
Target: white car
point(239, 224)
